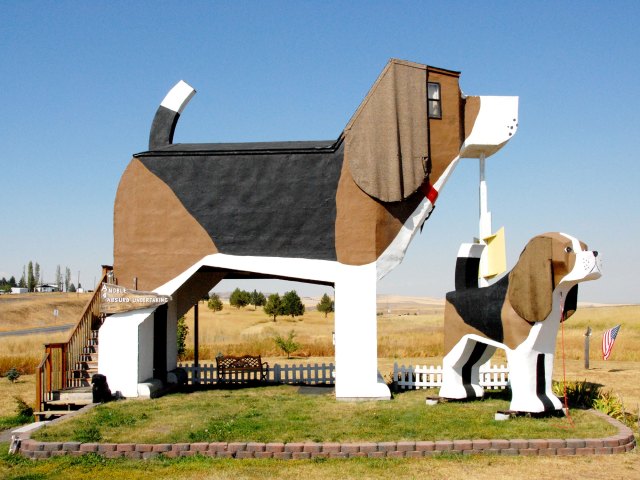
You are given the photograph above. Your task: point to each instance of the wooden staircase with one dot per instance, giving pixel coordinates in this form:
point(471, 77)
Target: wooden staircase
point(87, 363)
point(63, 378)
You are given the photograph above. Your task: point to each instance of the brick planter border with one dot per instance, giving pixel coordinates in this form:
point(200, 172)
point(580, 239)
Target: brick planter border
point(624, 441)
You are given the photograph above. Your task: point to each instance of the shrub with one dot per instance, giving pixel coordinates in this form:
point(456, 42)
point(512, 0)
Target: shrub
point(13, 374)
point(287, 345)
point(590, 395)
point(23, 409)
point(181, 336)
point(609, 403)
point(579, 394)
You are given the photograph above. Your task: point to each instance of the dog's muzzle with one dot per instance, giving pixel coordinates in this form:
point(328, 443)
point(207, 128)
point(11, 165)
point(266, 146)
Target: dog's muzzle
point(588, 267)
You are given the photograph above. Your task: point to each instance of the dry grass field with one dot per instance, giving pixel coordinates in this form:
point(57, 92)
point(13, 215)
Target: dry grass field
point(34, 310)
point(407, 327)
point(409, 332)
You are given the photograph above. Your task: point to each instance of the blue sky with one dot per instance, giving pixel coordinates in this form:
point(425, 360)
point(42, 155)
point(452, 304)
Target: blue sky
point(80, 83)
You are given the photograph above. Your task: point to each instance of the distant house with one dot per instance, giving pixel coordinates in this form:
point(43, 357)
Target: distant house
point(47, 288)
point(16, 290)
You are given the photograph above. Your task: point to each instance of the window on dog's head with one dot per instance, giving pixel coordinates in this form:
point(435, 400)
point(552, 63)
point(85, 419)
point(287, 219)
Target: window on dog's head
point(434, 99)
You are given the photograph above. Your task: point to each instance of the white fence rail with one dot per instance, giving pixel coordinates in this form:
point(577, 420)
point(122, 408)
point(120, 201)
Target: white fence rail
point(409, 377)
point(491, 376)
point(309, 374)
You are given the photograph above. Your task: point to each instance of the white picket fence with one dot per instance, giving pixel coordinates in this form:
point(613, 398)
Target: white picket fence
point(316, 374)
point(491, 376)
point(404, 377)
point(308, 374)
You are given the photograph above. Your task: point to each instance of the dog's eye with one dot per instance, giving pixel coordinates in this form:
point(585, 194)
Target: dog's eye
point(568, 249)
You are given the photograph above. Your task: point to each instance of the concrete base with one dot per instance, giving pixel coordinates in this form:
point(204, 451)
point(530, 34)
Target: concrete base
point(367, 392)
point(29, 428)
point(150, 388)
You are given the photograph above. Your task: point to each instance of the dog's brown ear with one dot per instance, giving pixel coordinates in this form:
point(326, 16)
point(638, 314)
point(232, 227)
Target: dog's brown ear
point(386, 141)
point(531, 281)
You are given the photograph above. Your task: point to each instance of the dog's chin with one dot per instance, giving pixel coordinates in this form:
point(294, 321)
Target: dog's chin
point(594, 274)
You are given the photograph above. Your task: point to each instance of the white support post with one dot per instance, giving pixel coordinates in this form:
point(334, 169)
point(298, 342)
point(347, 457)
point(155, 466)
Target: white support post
point(356, 336)
point(196, 343)
point(484, 223)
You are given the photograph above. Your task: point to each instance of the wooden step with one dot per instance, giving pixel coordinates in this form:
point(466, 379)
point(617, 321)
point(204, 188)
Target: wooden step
point(82, 365)
point(81, 381)
point(69, 403)
point(88, 357)
point(47, 414)
point(83, 373)
point(77, 396)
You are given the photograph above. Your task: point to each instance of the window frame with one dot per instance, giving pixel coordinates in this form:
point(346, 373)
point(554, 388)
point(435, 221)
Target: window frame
point(436, 101)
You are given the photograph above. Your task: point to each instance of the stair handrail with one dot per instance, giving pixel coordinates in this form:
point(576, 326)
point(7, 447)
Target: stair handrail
point(56, 370)
point(41, 381)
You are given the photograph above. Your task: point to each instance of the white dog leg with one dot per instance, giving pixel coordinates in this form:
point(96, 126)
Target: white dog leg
point(531, 367)
point(461, 369)
point(356, 340)
point(531, 387)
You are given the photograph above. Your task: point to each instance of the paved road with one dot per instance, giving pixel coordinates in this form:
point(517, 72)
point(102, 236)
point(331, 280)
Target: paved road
point(31, 331)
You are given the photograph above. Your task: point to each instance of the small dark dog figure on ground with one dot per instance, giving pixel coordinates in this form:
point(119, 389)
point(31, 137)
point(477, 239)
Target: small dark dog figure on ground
point(100, 389)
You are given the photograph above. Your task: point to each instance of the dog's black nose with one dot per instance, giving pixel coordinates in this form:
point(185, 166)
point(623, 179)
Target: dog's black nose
point(595, 253)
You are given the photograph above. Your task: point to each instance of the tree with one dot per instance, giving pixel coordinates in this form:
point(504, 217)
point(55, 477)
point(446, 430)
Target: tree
point(72, 288)
point(59, 278)
point(31, 279)
point(214, 302)
point(273, 307)
point(12, 281)
point(181, 336)
point(292, 305)
point(287, 345)
point(67, 279)
point(23, 282)
point(257, 299)
point(239, 298)
point(13, 374)
point(326, 305)
point(37, 274)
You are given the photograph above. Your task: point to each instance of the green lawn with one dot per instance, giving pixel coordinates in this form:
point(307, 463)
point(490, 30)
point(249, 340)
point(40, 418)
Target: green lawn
point(281, 414)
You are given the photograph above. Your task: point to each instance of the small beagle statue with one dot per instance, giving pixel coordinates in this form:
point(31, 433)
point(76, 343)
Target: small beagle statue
point(520, 313)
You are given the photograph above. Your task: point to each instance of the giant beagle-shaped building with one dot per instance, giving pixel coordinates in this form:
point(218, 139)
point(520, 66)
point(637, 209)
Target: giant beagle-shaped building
point(339, 212)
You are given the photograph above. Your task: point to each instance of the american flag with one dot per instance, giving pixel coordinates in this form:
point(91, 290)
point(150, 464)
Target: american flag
point(607, 341)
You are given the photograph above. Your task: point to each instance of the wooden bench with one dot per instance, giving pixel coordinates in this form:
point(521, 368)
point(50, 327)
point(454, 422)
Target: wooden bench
point(241, 369)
